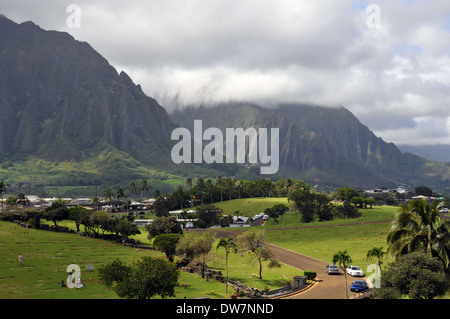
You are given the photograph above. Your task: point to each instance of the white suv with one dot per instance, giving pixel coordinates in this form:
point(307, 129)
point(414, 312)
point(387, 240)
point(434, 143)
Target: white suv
point(355, 271)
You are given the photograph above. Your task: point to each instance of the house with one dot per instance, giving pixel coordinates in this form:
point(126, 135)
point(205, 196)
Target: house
point(240, 221)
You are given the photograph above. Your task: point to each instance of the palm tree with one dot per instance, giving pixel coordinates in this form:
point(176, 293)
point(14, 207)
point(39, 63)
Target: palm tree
point(201, 187)
point(133, 189)
point(121, 193)
point(144, 187)
point(229, 246)
point(2, 189)
point(377, 252)
point(219, 181)
point(108, 194)
point(343, 259)
point(418, 226)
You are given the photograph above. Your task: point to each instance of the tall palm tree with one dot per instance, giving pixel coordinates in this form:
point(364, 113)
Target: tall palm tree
point(144, 187)
point(418, 226)
point(201, 187)
point(121, 194)
point(133, 189)
point(343, 260)
point(2, 189)
point(108, 194)
point(229, 246)
point(378, 253)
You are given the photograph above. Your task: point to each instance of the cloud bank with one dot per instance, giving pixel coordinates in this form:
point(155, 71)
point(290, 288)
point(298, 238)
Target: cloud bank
point(386, 61)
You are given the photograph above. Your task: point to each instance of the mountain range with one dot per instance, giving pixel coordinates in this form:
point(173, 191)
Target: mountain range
point(67, 117)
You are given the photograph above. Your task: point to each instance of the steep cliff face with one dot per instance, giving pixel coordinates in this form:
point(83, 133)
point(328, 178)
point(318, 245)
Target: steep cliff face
point(326, 145)
point(56, 91)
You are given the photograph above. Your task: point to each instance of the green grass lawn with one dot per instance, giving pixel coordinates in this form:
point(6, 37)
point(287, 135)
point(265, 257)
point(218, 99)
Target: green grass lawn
point(357, 236)
point(250, 206)
point(47, 254)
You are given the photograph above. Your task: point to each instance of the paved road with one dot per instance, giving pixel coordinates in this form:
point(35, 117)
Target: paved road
point(327, 286)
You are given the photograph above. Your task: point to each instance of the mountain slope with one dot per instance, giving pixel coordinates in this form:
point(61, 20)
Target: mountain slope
point(326, 145)
point(303, 153)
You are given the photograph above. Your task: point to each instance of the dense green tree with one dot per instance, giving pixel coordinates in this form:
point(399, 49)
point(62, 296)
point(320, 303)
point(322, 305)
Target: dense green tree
point(164, 204)
point(163, 225)
point(142, 280)
point(168, 244)
point(208, 215)
point(416, 275)
point(276, 211)
point(195, 246)
point(76, 214)
point(346, 194)
point(57, 212)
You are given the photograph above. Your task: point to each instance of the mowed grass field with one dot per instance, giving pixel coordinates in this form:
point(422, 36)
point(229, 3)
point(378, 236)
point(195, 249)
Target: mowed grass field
point(322, 240)
point(47, 254)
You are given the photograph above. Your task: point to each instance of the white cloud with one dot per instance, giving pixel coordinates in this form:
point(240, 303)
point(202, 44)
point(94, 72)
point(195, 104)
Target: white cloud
point(183, 51)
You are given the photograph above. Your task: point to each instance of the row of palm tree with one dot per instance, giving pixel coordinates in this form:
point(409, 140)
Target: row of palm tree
point(133, 188)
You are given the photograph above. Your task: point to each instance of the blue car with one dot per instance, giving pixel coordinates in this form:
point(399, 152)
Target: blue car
point(359, 286)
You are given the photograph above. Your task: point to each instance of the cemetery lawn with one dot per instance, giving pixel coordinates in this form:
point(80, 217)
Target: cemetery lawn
point(357, 236)
point(47, 254)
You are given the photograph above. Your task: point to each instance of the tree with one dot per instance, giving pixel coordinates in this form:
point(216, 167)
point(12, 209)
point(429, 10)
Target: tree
point(417, 275)
point(252, 241)
point(230, 246)
point(108, 194)
point(378, 253)
point(345, 194)
point(423, 190)
point(142, 280)
point(2, 190)
point(418, 227)
point(144, 186)
point(127, 228)
point(343, 260)
point(208, 215)
point(163, 225)
point(304, 202)
point(133, 190)
point(75, 214)
point(22, 199)
point(96, 219)
point(276, 211)
point(164, 204)
point(168, 244)
point(196, 246)
point(57, 212)
point(121, 193)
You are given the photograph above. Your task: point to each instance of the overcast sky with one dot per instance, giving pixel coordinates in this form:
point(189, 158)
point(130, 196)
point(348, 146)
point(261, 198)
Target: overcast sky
point(386, 61)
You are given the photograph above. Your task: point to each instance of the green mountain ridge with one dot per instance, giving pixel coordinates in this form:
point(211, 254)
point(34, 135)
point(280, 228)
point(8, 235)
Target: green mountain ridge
point(325, 145)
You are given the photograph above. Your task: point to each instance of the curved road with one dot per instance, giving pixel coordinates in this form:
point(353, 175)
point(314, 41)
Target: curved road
point(326, 286)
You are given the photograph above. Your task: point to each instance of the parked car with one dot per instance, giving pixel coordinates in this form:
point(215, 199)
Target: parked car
point(359, 286)
point(332, 269)
point(355, 271)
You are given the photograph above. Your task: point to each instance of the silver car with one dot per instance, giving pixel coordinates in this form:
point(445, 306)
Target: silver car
point(332, 269)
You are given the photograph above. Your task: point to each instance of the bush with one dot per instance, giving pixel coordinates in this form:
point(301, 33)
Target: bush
point(310, 275)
